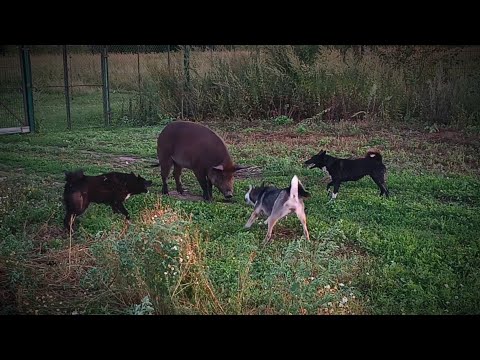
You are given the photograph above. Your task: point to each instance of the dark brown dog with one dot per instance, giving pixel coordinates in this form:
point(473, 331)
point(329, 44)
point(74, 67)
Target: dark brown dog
point(112, 189)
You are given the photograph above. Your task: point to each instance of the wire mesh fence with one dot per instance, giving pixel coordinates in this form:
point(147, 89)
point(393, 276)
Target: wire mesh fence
point(85, 86)
point(67, 88)
point(133, 74)
point(11, 90)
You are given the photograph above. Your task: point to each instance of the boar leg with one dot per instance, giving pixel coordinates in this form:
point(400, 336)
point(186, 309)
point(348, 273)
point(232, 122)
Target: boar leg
point(177, 173)
point(209, 187)
point(165, 167)
point(202, 179)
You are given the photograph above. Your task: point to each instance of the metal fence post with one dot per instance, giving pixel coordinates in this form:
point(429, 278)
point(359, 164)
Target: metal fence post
point(27, 86)
point(138, 68)
point(168, 57)
point(67, 88)
point(186, 65)
point(105, 87)
point(186, 85)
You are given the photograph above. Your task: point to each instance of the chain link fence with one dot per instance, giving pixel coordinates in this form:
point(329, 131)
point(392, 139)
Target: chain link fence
point(12, 110)
point(69, 90)
point(88, 86)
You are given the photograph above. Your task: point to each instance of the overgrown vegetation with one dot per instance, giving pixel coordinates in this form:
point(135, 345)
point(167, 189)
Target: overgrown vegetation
point(428, 85)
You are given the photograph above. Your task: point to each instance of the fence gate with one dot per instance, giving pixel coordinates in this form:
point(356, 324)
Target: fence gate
point(16, 104)
point(68, 87)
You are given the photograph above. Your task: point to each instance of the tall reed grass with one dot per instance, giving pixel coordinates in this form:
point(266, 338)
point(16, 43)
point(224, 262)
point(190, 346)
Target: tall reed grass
point(429, 84)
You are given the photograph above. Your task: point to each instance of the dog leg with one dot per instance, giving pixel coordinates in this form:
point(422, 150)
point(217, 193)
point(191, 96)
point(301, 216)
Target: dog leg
point(385, 190)
point(381, 184)
point(278, 212)
point(252, 219)
point(271, 223)
point(122, 209)
point(303, 219)
point(329, 184)
point(336, 187)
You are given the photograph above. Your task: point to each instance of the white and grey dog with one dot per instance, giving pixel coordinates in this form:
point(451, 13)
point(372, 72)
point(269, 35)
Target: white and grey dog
point(277, 203)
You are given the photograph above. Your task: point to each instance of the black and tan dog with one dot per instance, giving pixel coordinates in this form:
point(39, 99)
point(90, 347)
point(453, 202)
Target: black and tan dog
point(112, 188)
point(277, 203)
point(342, 170)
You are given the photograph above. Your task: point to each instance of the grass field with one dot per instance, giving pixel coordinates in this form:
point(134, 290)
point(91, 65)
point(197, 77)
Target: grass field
point(86, 111)
point(416, 252)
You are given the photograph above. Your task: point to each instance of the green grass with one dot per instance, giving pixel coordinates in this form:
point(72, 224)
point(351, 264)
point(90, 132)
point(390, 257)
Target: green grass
point(86, 110)
point(416, 252)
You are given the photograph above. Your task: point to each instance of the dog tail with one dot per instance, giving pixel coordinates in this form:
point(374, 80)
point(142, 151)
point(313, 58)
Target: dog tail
point(297, 189)
point(74, 176)
point(374, 154)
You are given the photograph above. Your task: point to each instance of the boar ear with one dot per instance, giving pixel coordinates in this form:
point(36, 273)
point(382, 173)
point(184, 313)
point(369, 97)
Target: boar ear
point(218, 167)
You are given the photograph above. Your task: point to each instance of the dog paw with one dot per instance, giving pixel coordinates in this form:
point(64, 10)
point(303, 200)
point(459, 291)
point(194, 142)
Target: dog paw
point(265, 243)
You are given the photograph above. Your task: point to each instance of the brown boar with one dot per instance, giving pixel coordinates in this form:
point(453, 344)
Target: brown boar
point(184, 144)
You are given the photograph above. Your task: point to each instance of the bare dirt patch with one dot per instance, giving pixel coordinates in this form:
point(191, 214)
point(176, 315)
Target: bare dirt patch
point(453, 137)
point(185, 196)
point(251, 172)
point(118, 160)
point(459, 155)
point(128, 159)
